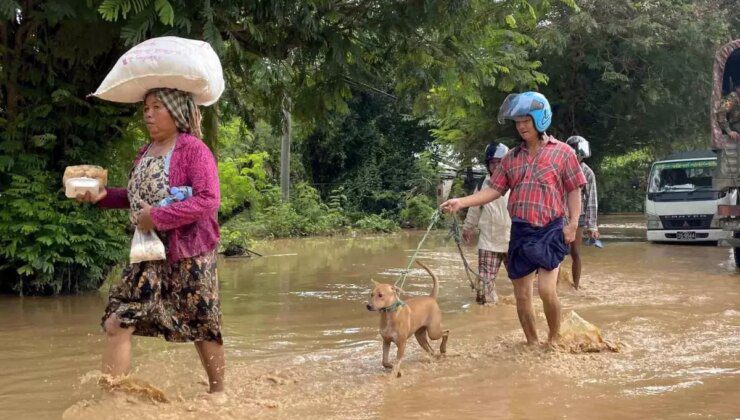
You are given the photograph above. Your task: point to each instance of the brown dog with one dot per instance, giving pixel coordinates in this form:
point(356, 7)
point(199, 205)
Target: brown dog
point(400, 319)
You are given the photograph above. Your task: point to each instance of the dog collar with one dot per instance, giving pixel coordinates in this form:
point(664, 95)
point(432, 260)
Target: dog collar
point(393, 307)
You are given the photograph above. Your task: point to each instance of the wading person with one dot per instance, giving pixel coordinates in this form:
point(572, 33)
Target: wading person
point(728, 114)
point(589, 202)
point(539, 172)
point(176, 298)
point(493, 222)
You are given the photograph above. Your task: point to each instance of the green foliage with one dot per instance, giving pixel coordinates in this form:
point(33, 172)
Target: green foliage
point(304, 215)
point(631, 75)
point(374, 152)
point(241, 180)
point(55, 53)
point(376, 223)
point(621, 182)
point(50, 244)
point(417, 212)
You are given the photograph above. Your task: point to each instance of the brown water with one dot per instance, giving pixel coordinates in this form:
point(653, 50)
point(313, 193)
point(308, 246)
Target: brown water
point(300, 342)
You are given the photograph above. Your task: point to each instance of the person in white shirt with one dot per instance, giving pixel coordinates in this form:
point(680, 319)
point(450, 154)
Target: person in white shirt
point(494, 224)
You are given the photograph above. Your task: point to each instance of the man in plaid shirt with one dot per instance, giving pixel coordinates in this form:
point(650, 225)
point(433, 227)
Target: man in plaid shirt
point(540, 172)
point(587, 220)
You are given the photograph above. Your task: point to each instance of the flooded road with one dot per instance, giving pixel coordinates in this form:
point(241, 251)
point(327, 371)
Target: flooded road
point(300, 343)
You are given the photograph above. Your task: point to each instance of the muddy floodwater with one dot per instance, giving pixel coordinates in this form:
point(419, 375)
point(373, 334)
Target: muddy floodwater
point(300, 343)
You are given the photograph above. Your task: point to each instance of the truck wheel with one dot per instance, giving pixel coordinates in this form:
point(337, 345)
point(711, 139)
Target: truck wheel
point(736, 250)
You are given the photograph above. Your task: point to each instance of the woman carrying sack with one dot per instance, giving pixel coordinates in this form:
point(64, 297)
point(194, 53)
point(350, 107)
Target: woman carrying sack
point(176, 298)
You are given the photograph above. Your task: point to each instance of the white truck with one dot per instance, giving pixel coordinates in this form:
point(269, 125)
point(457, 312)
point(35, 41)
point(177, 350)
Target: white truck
point(680, 204)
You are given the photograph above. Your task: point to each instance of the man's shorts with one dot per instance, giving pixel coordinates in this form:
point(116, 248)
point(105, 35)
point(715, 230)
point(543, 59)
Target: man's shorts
point(531, 248)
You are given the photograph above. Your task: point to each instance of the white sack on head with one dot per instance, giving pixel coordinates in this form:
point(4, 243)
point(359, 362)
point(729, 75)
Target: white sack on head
point(165, 62)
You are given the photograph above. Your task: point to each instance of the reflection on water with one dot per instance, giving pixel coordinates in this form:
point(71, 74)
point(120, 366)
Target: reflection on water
point(301, 344)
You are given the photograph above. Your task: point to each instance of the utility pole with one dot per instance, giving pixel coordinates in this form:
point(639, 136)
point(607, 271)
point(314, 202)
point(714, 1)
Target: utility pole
point(285, 149)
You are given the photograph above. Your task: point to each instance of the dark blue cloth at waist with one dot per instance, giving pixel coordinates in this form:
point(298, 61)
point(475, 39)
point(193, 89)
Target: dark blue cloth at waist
point(533, 247)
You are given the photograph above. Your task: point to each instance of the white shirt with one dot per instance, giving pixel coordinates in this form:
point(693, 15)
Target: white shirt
point(493, 221)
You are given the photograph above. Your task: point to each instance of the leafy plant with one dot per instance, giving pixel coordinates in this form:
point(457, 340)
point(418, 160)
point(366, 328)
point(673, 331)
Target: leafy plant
point(417, 212)
point(376, 223)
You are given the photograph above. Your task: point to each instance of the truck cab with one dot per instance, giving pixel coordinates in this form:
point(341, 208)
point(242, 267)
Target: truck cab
point(680, 204)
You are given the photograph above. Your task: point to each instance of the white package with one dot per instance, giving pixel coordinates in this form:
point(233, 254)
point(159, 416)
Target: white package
point(166, 62)
point(75, 186)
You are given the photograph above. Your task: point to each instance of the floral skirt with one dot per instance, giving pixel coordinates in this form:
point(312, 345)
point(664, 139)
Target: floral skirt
point(179, 302)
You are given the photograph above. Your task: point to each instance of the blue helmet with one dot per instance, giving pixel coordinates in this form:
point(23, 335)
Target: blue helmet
point(533, 104)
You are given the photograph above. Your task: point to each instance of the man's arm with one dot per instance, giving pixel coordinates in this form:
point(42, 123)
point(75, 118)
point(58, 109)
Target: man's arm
point(574, 210)
point(481, 197)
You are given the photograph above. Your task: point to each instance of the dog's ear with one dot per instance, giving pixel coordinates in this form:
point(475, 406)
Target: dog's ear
point(375, 283)
point(398, 290)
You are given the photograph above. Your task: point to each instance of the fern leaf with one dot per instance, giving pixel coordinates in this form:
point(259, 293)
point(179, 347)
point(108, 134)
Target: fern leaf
point(165, 12)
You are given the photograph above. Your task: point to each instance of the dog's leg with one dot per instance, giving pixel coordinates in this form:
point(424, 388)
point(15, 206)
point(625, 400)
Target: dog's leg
point(401, 344)
point(386, 350)
point(421, 337)
point(443, 346)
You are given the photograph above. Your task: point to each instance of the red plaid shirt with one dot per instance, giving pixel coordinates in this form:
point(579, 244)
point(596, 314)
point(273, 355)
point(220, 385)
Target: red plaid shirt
point(538, 184)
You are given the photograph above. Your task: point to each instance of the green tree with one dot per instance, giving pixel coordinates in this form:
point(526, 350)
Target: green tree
point(628, 75)
point(53, 54)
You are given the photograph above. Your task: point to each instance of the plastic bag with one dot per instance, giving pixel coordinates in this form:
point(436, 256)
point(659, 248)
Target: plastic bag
point(580, 336)
point(146, 246)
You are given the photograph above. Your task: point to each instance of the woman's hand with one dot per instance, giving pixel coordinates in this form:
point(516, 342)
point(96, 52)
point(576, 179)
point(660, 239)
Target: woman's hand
point(89, 198)
point(145, 218)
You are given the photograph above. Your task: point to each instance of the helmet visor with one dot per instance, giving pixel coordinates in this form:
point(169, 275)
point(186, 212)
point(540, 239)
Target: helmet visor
point(517, 105)
point(583, 149)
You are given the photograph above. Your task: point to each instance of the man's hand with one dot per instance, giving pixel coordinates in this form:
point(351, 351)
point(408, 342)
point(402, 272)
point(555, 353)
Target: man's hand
point(569, 232)
point(468, 235)
point(735, 135)
point(593, 234)
point(89, 198)
point(145, 218)
point(452, 205)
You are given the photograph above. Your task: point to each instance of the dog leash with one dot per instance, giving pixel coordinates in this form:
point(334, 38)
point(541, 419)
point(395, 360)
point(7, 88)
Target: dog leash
point(456, 235)
point(435, 218)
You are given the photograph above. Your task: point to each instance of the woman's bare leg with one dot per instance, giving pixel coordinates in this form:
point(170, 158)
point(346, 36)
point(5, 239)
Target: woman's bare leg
point(212, 356)
point(117, 353)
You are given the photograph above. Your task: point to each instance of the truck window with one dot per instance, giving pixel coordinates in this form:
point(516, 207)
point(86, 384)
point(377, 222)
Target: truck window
point(681, 176)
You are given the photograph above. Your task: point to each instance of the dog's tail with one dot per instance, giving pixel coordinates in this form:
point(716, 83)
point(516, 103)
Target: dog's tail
point(435, 288)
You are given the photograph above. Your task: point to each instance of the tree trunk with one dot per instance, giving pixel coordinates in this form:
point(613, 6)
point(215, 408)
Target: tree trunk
point(285, 151)
point(210, 128)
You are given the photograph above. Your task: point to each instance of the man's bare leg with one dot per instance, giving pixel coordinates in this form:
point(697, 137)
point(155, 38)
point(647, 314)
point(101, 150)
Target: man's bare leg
point(117, 353)
point(212, 356)
point(575, 255)
point(547, 286)
point(524, 308)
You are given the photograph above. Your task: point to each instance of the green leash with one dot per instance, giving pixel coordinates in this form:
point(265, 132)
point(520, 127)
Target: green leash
point(402, 279)
point(456, 235)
